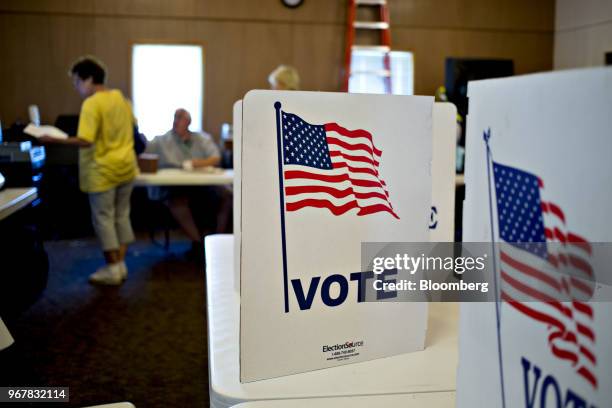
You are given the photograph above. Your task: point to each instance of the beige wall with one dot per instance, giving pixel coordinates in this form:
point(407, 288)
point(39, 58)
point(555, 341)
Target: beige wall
point(583, 32)
point(245, 39)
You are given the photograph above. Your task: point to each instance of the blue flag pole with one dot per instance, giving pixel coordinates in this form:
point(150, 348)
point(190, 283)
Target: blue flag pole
point(279, 143)
point(486, 136)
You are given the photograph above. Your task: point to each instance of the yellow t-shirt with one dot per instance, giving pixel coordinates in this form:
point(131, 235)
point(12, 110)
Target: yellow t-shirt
point(107, 121)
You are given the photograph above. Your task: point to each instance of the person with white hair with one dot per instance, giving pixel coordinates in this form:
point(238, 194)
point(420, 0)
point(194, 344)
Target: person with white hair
point(284, 78)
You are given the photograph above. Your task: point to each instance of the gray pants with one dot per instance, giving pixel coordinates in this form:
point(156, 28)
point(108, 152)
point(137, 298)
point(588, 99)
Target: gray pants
point(110, 215)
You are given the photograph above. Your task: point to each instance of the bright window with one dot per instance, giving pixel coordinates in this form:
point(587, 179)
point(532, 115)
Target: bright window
point(165, 78)
point(367, 65)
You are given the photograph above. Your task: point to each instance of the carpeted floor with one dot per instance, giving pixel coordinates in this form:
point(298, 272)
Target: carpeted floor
point(144, 342)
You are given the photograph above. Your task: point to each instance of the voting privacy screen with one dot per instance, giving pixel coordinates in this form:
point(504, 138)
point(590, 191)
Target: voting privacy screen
point(320, 174)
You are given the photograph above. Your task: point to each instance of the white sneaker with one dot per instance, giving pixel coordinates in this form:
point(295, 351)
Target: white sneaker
point(107, 275)
point(123, 269)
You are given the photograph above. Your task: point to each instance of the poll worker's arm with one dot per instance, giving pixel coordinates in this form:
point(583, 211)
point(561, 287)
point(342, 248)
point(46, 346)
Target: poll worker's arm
point(211, 153)
point(210, 161)
point(73, 141)
point(89, 122)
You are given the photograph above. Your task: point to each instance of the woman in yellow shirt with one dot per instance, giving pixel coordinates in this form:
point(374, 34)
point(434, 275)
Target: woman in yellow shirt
point(107, 164)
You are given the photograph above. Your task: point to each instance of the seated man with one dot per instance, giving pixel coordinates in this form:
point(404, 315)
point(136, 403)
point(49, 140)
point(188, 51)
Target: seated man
point(181, 148)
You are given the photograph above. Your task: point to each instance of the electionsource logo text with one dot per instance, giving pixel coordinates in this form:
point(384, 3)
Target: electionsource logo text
point(342, 346)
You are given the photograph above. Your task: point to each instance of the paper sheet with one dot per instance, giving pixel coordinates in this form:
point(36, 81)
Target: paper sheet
point(45, 130)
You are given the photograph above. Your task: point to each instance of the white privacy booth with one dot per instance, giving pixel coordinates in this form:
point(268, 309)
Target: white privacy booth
point(538, 161)
point(430, 371)
point(442, 222)
point(421, 378)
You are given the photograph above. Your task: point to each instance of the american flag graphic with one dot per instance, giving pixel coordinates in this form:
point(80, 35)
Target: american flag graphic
point(545, 269)
point(328, 166)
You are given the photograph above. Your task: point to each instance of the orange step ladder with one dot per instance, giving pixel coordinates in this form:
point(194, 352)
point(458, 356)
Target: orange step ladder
point(384, 46)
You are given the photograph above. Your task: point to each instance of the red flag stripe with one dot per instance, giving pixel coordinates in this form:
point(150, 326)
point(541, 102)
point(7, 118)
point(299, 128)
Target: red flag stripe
point(532, 313)
point(536, 295)
point(585, 331)
point(565, 286)
point(353, 147)
point(570, 337)
point(588, 354)
point(582, 287)
point(334, 127)
point(554, 209)
point(588, 375)
point(299, 174)
point(566, 239)
point(528, 270)
point(548, 233)
point(575, 261)
point(361, 159)
point(529, 291)
point(295, 190)
point(339, 210)
point(364, 170)
point(580, 242)
point(583, 308)
point(311, 202)
point(553, 260)
point(371, 209)
point(563, 354)
point(557, 260)
point(555, 233)
point(581, 264)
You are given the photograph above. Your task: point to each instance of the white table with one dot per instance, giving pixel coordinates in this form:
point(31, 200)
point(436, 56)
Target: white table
point(11, 201)
point(180, 177)
point(14, 199)
point(422, 400)
point(430, 371)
